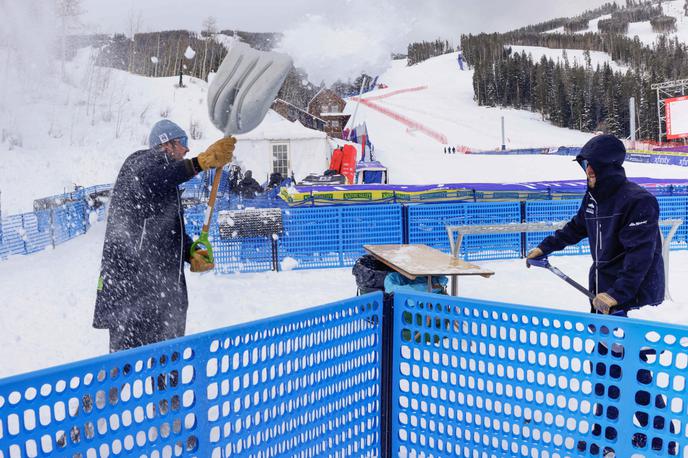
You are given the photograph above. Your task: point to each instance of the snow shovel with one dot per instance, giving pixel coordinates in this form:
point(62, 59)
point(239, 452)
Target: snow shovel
point(544, 263)
point(239, 97)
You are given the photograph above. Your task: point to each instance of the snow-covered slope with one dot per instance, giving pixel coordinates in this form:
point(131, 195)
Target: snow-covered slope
point(59, 132)
point(643, 30)
point(80, 129)
point(443, 102)
point(574, 56)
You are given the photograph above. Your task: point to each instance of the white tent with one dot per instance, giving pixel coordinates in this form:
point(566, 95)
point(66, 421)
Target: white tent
point(279, 145)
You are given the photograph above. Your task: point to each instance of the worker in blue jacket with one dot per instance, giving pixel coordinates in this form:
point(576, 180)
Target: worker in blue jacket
point(621, 220)
point(142, 295)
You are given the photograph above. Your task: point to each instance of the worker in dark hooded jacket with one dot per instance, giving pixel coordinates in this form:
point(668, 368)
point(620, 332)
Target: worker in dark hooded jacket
point(142, 294)
point(621, 220)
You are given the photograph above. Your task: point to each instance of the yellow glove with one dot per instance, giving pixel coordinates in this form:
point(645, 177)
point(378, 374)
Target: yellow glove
point(603, 303)
point(199, 263)
point(217, 154)
point(533, 254)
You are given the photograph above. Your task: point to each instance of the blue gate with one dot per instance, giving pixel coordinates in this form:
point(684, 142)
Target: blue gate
point(479, 378)
point(304, 384)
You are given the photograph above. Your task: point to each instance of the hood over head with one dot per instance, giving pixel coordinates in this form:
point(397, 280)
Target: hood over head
point(605, 154)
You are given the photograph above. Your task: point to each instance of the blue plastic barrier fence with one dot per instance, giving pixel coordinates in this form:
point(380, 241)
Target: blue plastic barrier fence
point(426, 224)
point(478, 378)
point(553, 211)
point(28, 233)
point(305, 384)
point(318, 237)
point(314, 237)
point(675, 208)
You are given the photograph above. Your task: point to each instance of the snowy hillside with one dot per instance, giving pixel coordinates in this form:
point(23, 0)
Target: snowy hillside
point(442, 101)
point(575, 57)
point(643, 30)
point(78, 130)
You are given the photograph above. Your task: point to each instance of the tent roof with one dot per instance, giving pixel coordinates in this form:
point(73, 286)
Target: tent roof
point(275, 127)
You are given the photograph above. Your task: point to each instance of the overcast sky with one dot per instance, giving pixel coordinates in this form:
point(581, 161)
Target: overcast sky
point(430, 18)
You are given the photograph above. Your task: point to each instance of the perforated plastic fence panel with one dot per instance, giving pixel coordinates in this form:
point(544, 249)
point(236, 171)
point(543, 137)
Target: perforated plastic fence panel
point(478, 378)
point(305, 384)
point(334, 236)
point(675, 208)
point(14, 235)
point(69, 221)
point(231, 255)
point(549, 212)
point(426, 224)
point(369, 225)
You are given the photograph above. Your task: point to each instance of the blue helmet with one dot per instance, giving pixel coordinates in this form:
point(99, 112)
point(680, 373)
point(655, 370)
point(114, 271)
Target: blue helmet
point(164, 131)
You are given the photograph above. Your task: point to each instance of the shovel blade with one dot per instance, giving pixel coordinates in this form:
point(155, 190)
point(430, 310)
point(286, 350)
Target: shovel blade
point(244, 88)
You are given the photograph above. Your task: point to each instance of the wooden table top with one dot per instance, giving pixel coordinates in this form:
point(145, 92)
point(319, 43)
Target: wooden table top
point(421, 260)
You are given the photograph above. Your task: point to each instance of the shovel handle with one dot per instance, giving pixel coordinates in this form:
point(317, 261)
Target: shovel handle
point(202, 243)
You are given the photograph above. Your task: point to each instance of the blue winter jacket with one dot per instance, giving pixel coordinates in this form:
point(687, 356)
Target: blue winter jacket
point(621, 221)
point(142, 269)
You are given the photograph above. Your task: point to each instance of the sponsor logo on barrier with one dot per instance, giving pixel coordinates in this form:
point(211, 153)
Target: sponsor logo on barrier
point(358, 195)
point(325, 196)
point(434, 195)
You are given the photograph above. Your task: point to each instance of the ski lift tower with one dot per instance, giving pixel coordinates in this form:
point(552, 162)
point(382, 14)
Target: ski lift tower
point(668, 93)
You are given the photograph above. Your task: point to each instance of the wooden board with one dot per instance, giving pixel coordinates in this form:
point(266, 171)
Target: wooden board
point(421, 260)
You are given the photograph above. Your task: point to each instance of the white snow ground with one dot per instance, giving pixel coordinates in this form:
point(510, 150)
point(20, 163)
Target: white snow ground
point(48, 298)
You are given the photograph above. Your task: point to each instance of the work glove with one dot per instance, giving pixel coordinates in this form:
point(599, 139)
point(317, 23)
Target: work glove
point(534, 254)
point(199, 261)
point(603, 303)
point(218, 154)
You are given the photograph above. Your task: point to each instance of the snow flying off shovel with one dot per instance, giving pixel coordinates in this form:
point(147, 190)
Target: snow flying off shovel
point(544, 263)
point(239, 97)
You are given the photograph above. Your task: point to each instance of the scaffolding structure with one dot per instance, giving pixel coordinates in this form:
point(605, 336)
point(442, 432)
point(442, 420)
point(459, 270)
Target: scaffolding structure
point(667, 90)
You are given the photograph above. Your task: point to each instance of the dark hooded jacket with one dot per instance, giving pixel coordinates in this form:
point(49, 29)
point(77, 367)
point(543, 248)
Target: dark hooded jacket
point(142, 269)
point(621, 220)
point(248, 188)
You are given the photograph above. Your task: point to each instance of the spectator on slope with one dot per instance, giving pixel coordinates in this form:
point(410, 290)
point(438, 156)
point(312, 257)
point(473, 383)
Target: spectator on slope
point(621, 221)
point(142, 295)
point(248, 188)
